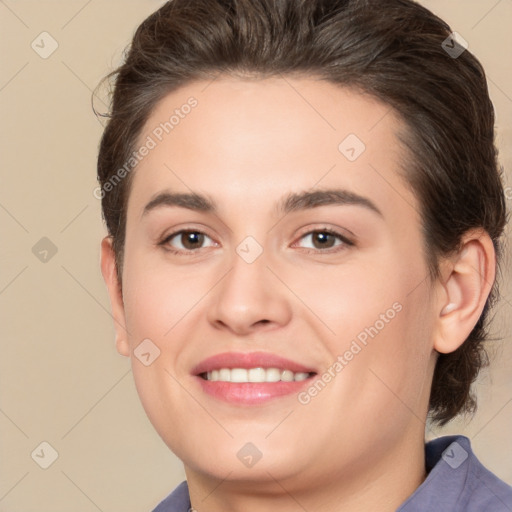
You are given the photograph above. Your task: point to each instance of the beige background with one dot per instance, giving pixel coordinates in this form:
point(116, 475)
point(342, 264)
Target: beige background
point(61, 380)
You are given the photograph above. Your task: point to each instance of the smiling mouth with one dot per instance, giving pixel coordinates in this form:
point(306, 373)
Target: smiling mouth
point(254, 375)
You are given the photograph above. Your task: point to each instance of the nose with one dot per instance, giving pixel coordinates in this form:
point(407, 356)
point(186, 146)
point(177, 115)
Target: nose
point(249, 298)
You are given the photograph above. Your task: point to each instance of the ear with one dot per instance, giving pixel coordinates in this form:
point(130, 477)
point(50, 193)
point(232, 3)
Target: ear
point(466, 281)
point(108, 269)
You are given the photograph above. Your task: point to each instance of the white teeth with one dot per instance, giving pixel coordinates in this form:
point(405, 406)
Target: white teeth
point(287, 376)
point(273, 375)
point(255, 375)
point(238, 375)
point(225, 374)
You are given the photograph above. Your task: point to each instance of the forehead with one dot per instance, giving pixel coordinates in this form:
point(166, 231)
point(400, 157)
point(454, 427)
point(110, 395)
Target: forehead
point(248, 142)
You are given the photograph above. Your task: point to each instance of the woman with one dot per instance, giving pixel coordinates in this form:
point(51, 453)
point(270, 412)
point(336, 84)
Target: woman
point(304, 212)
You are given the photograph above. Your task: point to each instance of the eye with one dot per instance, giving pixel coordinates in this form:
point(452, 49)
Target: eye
point(186, 240)
point(322, 239)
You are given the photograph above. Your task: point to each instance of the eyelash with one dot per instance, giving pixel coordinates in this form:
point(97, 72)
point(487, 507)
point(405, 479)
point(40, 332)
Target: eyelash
point(345, 242)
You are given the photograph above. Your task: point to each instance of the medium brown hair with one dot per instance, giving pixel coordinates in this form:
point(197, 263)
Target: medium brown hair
point(394, 50)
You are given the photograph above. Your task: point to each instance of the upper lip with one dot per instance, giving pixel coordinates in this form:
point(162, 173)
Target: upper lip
point(249, 360)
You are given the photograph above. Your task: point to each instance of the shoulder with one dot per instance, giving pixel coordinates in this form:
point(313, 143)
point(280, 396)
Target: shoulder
point(485, 491)
point(177, 501)
point(457, 481)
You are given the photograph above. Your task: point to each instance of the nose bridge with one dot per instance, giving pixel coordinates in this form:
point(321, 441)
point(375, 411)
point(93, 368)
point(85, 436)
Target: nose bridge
point(249, 294)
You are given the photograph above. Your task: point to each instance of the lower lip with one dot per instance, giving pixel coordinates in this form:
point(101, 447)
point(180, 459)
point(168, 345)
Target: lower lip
point(251, 393)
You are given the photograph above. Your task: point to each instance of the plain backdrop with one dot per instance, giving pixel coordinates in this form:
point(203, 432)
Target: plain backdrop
point(61, 380)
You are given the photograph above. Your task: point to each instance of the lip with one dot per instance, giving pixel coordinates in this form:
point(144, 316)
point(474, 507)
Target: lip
point(249, 360)
point(250, 393)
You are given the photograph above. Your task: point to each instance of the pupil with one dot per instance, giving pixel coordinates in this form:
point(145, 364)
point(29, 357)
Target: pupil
point(193, 239)
point(323, 237)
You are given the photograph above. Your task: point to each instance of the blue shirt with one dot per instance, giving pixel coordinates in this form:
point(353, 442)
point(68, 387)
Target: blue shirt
point(456, 482)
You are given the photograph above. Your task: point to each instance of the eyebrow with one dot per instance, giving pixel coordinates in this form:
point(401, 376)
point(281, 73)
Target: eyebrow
point(293, 202)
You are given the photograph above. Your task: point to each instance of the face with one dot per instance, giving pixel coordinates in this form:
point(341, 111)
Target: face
point(273, 259)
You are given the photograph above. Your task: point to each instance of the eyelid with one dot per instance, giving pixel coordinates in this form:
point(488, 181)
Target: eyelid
point(347, 241)
point(343, 232)
point(336, 232)
point(165, 239)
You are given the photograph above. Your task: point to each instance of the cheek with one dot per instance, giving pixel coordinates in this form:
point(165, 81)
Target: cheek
point(157, 300)
point(379, 377)
point(392, 371)
point(349, 298)
point(380, 323)
point(159, 306)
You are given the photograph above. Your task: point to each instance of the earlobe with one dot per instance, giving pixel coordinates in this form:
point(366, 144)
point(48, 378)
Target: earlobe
point(108, 269)
point(466, 285)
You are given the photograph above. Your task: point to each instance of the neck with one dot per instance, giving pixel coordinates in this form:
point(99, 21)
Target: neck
point(381, 483)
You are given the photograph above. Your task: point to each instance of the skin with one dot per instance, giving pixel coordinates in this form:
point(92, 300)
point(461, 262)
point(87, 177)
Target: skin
point(359, 444)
